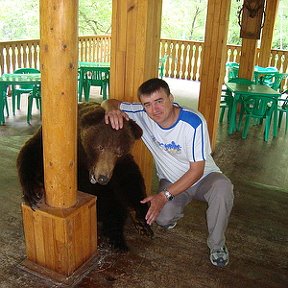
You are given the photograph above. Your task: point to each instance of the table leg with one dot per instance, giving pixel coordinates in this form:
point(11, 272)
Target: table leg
point(2, 104)
point(80, 86)
point(275, 122)
point(232, 120)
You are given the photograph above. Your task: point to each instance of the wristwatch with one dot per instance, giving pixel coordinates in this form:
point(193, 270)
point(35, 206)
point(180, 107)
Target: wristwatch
point(168, 195)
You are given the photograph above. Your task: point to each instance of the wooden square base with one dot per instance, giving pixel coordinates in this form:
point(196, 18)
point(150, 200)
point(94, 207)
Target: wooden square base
point(61, 240)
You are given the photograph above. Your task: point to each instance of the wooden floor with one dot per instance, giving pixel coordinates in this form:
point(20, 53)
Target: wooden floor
point(257, 236)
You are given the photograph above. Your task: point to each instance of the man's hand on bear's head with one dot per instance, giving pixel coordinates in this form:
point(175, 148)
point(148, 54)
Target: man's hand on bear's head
point(116, 118)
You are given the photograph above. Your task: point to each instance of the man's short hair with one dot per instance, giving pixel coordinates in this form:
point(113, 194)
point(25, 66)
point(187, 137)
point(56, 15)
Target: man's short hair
point(152, 85)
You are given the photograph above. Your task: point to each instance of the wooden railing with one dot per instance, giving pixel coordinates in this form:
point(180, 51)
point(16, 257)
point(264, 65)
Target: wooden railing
point(26, 53)
point(183, 56)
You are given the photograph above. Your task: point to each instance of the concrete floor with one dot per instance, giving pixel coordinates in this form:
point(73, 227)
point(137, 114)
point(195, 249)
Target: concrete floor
point(257, 234)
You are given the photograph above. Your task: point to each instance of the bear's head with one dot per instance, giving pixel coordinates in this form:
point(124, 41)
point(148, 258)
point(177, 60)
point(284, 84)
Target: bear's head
point(103, 145)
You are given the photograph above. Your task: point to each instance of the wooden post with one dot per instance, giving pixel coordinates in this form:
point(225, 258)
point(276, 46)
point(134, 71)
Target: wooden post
point(247, 58)
point(60, 235)
point(213, 63)
point(59, 64)
point(135, 58)
point(267, 32)
point(250, 31)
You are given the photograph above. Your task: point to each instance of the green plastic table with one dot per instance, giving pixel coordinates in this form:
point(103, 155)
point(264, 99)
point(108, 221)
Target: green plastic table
point(252, 89)
point(86, 67)
point(14, 79)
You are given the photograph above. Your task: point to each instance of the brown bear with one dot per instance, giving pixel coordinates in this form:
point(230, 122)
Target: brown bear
point(106, 169)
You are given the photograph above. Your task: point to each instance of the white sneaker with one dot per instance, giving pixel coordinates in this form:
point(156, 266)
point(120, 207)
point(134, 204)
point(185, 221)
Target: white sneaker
point(219, 257)
point(170, 226)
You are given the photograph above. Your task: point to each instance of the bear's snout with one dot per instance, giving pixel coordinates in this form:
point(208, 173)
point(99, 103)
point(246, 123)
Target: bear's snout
point(101, 179)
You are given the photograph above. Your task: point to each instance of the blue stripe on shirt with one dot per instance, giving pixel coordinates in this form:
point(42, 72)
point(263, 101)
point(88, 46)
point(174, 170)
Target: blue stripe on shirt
point(195, 121)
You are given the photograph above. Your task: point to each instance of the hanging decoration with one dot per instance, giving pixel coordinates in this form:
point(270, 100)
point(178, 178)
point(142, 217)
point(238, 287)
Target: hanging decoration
point(251, 18)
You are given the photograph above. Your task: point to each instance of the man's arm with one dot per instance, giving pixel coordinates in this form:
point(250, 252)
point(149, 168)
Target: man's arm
point(113, 114)
point(158, 201)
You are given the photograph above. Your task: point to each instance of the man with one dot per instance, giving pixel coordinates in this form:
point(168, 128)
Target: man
point(179, 142)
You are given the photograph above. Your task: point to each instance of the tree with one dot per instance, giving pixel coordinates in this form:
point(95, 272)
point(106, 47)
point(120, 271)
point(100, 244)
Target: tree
point(181, 19)
point(95, 17)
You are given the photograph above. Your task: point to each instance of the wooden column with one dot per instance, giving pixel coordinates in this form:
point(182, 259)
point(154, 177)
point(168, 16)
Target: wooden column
point(59, 64)
point(135, 58)
point(60, 235)
point(252, 15)
point(248, 58)
point(213, 63)
point(267, 32)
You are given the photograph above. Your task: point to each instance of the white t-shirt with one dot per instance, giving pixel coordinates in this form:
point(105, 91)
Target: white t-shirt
point(187, 140)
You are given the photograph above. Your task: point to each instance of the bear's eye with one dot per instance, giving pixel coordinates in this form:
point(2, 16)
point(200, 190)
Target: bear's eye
point(100, 148)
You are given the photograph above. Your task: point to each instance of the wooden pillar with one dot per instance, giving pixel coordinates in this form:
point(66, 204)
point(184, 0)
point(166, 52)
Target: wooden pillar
point(213, 63)
point(267, 32)
point(58, 40)
point(247, 58)
point(60, 235)
point(252, 15)
point(135, 58)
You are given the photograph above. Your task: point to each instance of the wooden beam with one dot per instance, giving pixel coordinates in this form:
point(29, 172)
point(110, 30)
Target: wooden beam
point(135, 58)
point(213, 63)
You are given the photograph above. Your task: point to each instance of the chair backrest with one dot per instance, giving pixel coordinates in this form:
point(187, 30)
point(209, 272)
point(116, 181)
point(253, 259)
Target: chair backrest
point(265, 69)
point(241, 81)
point(259, 106)
point(265, 78)
point(283, 100)
point(278, 79)
point(233, 68)
point(97, 77)
point(26, 71)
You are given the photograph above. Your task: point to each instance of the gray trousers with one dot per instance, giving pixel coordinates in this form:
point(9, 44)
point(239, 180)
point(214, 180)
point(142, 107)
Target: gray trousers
point(215, 189)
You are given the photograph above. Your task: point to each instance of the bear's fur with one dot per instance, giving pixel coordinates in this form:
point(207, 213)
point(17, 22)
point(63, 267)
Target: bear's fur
point(105, 169)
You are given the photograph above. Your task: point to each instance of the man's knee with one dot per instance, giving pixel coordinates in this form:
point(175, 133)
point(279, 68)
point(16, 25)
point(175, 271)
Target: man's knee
point(164, 219)
point(223, 188)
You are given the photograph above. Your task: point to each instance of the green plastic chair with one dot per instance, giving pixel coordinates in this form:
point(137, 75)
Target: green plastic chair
point(227, 99)
point(3, 107)
point(257, 107)
point(96, 78)
point(233, 68)
point(283, 108)
point(276, 85)
point(162, 62)
point(226, 102)
point(35, 94)
point(18, 90)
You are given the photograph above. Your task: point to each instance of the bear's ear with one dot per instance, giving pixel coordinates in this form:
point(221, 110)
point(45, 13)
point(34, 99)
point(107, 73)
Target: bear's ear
point(92, 117)
point(135, 128)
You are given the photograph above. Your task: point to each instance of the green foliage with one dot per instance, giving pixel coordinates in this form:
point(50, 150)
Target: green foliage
point(19, 19)
point(95, 17)
point(181, 19)
point(184, 19)
point(14, 25)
